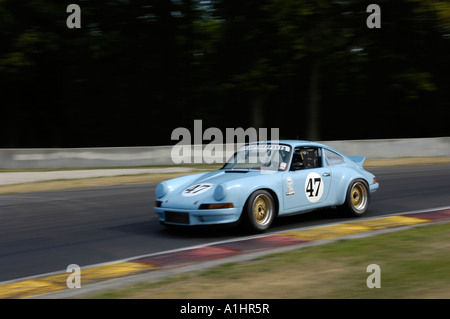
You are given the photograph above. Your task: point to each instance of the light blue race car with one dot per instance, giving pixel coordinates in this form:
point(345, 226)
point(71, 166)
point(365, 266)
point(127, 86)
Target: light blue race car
point(264, 180)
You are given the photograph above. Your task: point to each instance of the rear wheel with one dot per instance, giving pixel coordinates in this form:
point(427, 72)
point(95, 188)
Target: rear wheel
point(259, 211)
point(357, 198)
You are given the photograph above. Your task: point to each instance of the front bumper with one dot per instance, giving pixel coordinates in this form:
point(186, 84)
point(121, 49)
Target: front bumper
point(198, 217)
point(374, 187)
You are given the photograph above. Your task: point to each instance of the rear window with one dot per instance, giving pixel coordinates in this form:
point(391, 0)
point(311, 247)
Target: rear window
point(332, 158)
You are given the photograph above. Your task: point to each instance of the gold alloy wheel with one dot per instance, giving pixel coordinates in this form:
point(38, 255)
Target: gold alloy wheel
point(359, 196)
point(262, 209)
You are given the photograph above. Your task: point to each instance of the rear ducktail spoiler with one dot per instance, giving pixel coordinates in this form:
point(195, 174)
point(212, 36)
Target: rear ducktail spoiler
point(357, 159)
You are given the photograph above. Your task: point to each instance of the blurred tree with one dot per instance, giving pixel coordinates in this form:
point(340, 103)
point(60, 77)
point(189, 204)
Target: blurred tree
point(312, 31)
point(243, 59)
point(137, 69)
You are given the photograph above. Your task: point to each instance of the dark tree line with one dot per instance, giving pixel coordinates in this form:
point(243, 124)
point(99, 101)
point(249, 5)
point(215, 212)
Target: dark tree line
point(137, 69)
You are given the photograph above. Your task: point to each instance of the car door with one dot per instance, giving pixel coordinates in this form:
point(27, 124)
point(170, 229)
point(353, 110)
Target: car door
point(306, 186)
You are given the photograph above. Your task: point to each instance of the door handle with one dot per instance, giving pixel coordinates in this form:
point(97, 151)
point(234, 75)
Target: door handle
point(326, 174)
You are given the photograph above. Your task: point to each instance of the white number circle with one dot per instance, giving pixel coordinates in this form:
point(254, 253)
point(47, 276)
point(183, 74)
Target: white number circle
point(313, 187)
point(196, 189)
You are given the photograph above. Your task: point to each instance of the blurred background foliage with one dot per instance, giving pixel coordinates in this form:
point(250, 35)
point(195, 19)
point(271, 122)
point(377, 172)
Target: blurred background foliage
point(138, 69)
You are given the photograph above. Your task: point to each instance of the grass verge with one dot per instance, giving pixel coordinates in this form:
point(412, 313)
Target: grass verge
point(123, 179)
point(414, 264)
point(157, 177)
point(88, 182)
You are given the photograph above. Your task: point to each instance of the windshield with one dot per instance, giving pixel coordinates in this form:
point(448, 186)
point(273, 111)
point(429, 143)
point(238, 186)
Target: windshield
point(271, 157)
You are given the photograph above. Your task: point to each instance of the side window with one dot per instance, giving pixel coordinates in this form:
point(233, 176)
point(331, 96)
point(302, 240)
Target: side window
point(306, 157)
point(332, 158)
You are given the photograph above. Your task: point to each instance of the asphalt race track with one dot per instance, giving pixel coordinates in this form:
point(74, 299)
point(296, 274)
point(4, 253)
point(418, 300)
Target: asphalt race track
point(43, 232)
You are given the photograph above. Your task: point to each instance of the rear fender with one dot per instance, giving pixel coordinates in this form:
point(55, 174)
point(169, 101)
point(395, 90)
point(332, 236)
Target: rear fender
point(341, 179)
point(358, 159)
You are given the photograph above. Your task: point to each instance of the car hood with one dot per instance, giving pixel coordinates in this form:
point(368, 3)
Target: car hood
point(226, 175)
point(209, 187)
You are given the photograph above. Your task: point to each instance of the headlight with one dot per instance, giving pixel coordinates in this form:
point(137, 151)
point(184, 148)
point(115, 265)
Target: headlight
point(161, 190)
point(219, 192)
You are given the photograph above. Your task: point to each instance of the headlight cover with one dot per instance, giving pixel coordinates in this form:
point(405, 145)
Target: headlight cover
point(219, 192)
point(161, 190)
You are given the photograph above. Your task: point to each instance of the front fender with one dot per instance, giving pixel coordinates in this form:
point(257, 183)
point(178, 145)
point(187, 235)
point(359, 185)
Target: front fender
point(238, 193)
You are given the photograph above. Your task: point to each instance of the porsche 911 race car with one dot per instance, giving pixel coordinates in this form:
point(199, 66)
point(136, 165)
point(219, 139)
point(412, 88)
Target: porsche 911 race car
point(264, 180)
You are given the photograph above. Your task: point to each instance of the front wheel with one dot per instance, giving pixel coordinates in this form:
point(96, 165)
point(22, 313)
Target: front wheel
point(357, 198)
point(259, 211)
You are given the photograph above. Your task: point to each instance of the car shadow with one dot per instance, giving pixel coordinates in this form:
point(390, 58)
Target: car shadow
point(313, 218)
point(153, 229)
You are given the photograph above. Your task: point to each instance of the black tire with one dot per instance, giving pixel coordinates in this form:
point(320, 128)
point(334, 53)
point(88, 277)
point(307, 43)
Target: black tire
point(357, 198)
point(259, 211)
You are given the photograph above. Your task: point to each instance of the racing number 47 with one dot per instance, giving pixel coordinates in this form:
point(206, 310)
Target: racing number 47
point(311, 187)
